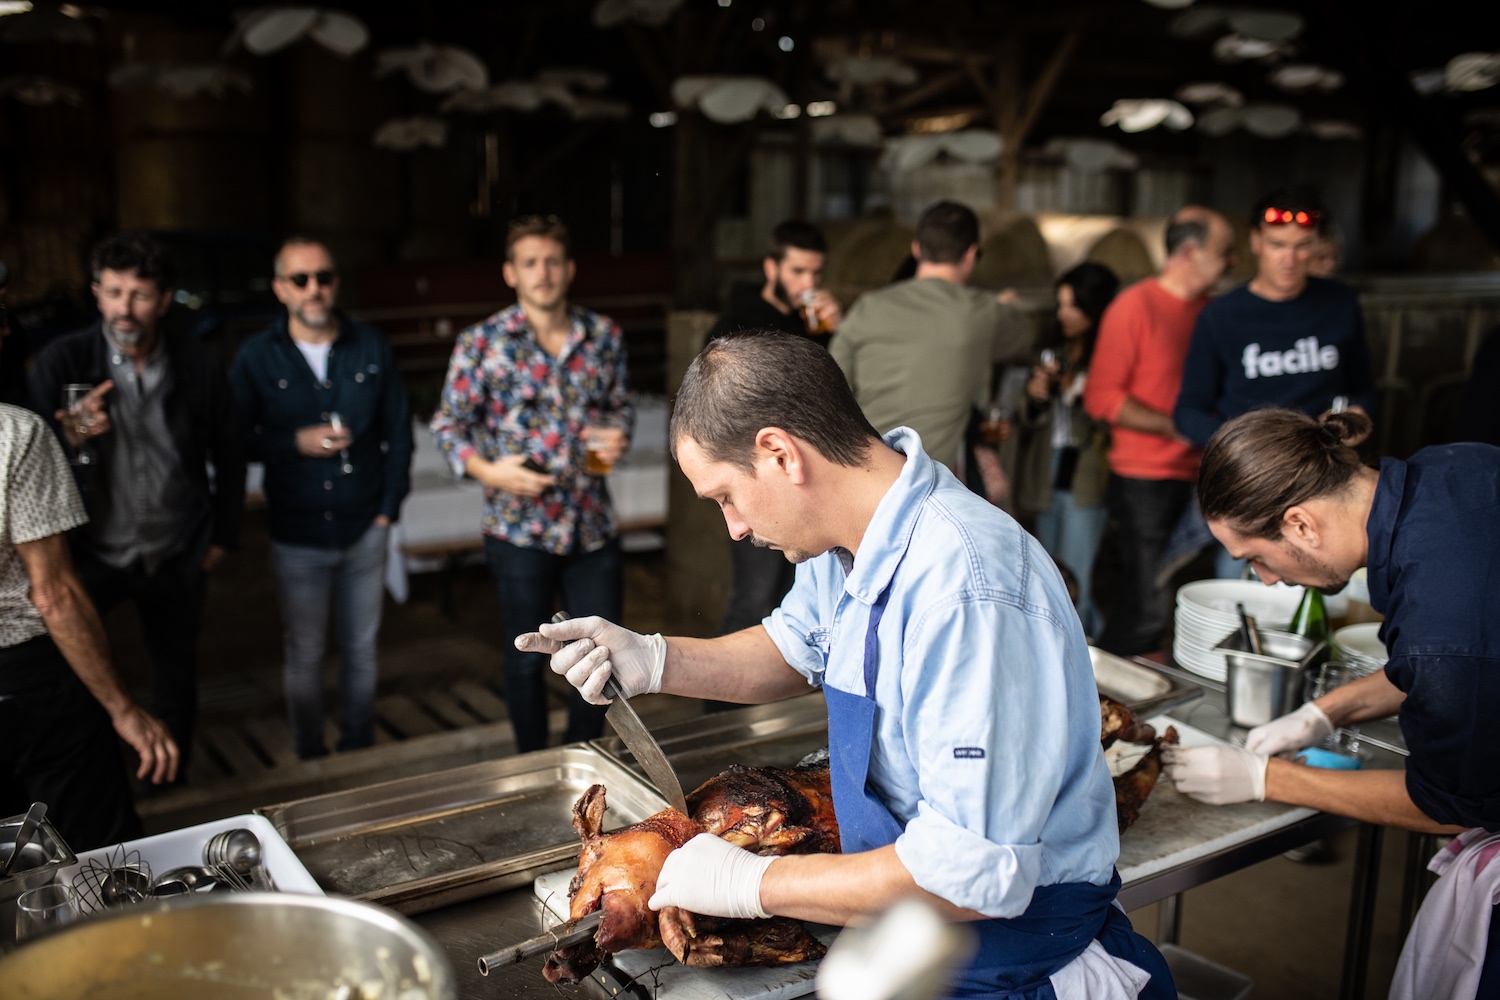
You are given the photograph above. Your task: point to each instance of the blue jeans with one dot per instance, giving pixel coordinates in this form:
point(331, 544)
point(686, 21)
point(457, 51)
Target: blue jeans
point(1071, 535)
point(308, 581)
point(529, 580)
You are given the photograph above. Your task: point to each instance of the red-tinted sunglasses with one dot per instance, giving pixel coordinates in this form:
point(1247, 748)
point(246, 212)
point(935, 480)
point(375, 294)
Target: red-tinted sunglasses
point(1282, 216)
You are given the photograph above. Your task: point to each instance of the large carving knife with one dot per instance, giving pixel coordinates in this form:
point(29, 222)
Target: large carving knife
point(639, 741)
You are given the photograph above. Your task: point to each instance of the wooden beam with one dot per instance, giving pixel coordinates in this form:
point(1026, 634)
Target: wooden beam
point(653, 60)
point(923, 91)
point(1041, 90)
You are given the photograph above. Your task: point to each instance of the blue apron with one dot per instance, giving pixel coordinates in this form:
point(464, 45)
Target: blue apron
point(1016, 956)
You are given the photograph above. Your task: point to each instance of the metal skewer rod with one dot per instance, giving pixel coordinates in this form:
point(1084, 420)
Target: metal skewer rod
point(561, 936)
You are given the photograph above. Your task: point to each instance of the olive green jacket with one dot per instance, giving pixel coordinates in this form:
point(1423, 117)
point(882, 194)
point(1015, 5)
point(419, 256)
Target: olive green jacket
point(1033, 487)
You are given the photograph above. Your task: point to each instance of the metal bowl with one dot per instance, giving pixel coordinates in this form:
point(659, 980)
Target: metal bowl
point(286, 946)
point(38, 866)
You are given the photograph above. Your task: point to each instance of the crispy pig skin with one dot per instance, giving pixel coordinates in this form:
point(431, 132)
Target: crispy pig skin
point(1134, 786)
point(1116, 722)
point(767, 810)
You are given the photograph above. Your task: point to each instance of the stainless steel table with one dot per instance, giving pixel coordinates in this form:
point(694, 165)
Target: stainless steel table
point(780, 734)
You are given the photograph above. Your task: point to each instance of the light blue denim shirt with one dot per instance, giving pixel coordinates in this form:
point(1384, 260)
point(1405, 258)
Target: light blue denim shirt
point(987, 742)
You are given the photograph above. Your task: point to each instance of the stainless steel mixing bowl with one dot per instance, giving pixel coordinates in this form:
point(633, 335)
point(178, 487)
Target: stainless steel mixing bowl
point(236, 947)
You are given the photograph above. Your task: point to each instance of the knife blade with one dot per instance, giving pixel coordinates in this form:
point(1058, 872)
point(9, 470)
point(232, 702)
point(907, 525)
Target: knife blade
point(639, 741)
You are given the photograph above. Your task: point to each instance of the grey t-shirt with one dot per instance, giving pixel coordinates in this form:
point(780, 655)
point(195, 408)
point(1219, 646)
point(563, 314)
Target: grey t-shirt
point(919, 354)
point(37, 499)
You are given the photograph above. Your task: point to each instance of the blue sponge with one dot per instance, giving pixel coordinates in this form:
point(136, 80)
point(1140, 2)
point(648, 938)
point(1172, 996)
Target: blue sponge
point(1318, 757)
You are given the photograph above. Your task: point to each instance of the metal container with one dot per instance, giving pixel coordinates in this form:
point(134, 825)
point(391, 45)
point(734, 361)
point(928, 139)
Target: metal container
point(1262, 686)
point(431, 840)
point(40, 862)
point(242, 945)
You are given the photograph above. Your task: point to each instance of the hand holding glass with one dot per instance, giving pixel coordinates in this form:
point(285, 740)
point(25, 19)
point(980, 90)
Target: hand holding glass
point(43, 910)
point(74, 397)
point(602, 439)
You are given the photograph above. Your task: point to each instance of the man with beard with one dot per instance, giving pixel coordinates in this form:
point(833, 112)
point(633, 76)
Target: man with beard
point(790, 301)
point(1288, 493)
point(158, 412)
point(535, 407)
point(322, 405)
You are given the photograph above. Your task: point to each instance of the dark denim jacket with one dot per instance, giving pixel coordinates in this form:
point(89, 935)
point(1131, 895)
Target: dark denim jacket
point(312, 501)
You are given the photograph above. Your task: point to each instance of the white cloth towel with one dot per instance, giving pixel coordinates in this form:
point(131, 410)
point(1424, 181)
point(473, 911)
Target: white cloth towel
point(1098, 975)
point(1444, 953)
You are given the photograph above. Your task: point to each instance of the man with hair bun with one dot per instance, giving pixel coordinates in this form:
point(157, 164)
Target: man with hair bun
point(1288, 493)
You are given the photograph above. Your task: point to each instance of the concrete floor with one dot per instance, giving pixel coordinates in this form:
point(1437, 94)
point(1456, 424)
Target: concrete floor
point(1281, 923)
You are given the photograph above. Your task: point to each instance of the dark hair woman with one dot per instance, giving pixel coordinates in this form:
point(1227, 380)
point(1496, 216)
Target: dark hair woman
point(1062, 471)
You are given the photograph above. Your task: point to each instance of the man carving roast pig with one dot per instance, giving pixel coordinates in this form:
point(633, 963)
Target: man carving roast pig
point(963, 717)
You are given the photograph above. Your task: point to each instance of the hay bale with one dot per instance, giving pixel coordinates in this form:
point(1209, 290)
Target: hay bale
point(1122, 251)
point(1454, 244)
point(1015, 255)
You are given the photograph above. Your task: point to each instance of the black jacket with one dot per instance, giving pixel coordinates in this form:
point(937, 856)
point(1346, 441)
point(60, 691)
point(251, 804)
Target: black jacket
point(311, 501)
point(199, 411)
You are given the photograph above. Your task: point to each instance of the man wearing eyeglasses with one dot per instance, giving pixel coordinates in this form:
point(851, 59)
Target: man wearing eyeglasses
point(1284, 338)
point(323, 406)
point(535, 407)
point(156, 414)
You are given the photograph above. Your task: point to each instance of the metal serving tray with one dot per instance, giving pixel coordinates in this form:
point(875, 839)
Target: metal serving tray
point(419, 843)
point(775, 735)
point(1142, 689)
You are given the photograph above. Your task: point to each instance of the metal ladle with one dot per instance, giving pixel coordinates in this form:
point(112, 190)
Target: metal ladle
point(187, 879)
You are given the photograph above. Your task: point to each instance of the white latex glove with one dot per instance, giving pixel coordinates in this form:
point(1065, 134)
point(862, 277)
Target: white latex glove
point(1217, 775)
point(1308, 726)
point(588, 650)
point(709, 875)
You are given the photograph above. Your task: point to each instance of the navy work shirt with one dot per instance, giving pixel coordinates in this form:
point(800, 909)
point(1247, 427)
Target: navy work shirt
point(1434, 564)
point(325, 502)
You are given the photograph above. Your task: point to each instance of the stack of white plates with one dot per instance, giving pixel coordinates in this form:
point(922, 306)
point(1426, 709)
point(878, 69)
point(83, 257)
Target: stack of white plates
point(1207, 612)
point(1360, 647)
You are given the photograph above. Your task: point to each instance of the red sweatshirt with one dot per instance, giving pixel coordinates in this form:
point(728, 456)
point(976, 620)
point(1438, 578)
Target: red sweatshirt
point(1143, 341)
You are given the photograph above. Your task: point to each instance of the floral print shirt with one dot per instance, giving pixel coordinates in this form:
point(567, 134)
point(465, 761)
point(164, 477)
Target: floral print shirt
point(505, 395)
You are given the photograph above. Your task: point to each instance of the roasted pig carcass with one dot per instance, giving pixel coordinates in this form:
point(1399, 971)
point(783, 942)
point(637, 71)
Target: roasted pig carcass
point(770, 810)
point(1134, 786)
point(1116, 722)
point(617, 874)
point(767, 810)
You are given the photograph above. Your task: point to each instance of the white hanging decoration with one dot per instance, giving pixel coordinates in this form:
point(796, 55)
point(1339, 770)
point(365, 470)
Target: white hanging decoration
point(728, 99)
point(1140, 114)
point(906, 153)
point(549, 88)
point(436, 69)
point(1295, 77)
point(182, 81)
point(1170, 4)
point(1472, 71)
point(1334, 129)
point(40, 91)
point(651, 13)
point(1220, 121)
point(850, 129)
point(1271, 121)
point(407, 134)
point(1198, 20)
point(266, 30)
point(872, 69)
point(1241, 48)
point(1428, 81)
point(1267, 25)
point(1211, 92)
point(1092, 156)
point(575, 77)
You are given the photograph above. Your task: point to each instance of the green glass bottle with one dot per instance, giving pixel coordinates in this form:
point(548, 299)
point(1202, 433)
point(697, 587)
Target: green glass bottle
point(1311, 620)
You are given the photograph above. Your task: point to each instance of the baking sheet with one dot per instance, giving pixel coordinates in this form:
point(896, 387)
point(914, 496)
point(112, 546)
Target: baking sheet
point(1175, 830)
point(430, 840)
point(1141, 688)
point(662, 976)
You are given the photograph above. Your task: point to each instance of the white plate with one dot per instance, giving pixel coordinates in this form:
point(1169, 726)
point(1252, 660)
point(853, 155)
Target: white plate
point(1274, 604)
point(1362, 642)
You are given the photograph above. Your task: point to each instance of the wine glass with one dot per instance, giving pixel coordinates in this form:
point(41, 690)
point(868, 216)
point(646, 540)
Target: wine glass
point(73, 395)
point(1336, 673)
point(45, 909)
point(337, 423)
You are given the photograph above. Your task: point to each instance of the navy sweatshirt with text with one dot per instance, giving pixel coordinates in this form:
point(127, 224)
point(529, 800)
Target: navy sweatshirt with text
point(1249, 352)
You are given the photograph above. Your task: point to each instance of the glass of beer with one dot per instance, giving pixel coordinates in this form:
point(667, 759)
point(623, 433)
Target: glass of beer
point(594, 462)
point(811, 318)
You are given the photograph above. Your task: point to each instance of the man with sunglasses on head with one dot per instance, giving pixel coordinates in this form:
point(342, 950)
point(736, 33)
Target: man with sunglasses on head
point(535, 407)
point(323, 406)
point(1285, 338)
point(157, 414)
